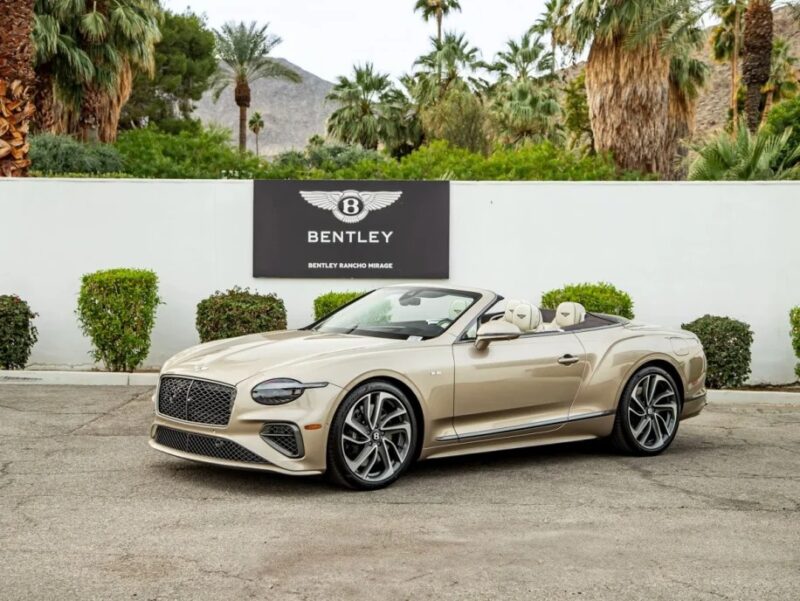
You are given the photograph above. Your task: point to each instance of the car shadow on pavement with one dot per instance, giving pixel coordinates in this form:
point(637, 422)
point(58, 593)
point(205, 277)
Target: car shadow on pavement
point(256, 483)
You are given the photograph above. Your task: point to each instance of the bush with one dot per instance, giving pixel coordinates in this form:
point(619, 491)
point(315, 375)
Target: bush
point(328, 303)
point(117, 310)
point(203, 154)
point(794, 318)
point(53, 155)
point(785, 115)
point(597, 298)
point(17, 332)
point(238, 312)
point(727, 345)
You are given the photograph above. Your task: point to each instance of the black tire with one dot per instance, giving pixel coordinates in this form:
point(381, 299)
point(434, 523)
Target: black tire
point(622, 436)
point(338, 469)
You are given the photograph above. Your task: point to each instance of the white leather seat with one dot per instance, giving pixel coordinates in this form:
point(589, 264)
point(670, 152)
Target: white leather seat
point(457, 307)
point(525, 316)
point(511, 304)
point(569, 314)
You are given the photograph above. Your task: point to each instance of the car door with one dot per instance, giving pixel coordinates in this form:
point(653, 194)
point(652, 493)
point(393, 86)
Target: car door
point(516, 386)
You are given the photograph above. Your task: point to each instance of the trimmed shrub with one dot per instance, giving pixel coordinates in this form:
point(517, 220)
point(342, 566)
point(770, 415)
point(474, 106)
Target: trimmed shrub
point(727, 345)
point(238, 312)
point(17, 332)
point(783, 116)
point(328, 303)
point(794, 318)
point(597, 298)
point(54, 155)
point(117, 310)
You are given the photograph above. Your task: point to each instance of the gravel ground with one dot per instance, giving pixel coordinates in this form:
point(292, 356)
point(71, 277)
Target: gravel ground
point(89, 511)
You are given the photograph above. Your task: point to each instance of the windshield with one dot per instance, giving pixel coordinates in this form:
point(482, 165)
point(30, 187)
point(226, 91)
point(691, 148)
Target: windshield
point(400, 312)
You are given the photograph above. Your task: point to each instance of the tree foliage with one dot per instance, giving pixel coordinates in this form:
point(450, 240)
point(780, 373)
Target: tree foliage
point(184, 64)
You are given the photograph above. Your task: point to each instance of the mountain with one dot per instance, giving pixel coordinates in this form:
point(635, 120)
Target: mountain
point(292, 112)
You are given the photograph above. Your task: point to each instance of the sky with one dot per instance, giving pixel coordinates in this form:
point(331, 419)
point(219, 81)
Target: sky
point(326, 37)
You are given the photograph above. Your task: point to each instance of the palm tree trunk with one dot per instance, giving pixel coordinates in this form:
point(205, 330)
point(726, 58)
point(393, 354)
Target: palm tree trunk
point(767, 106)
point(628, 95)
point(757, 57)
point(258, 153)
point(439, 18)
point(737, 34)
point(17, 81)
point(242, 128)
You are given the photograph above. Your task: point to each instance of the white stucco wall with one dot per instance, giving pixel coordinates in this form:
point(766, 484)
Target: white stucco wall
point(680, 250)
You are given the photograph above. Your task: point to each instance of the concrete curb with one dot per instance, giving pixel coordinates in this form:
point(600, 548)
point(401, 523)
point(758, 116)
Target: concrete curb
point(755, 397)
point(77, 378)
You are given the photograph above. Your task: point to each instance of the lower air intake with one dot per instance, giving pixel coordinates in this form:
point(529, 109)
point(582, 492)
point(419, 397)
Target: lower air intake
point(284, 438)
point(207, 446)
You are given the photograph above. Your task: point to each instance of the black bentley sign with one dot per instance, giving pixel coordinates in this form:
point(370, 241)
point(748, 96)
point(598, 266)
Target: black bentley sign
point(347, 229)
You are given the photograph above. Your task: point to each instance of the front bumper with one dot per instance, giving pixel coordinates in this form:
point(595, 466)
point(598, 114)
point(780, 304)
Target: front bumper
point(692, 407)
point(218, 445)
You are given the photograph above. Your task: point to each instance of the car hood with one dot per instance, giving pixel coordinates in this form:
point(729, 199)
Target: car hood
point(237, 359)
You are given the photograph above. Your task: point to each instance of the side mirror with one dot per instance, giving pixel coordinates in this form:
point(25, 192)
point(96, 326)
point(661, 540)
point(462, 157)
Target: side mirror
point(494, 331)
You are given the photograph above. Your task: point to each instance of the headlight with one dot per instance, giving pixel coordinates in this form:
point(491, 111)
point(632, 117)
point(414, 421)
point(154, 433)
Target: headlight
point(281, 391)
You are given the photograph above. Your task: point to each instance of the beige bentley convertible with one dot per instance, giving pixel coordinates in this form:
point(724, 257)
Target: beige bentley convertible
point(416, 372)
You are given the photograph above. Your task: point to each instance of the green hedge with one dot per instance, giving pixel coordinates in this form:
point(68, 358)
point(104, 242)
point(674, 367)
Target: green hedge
point(328, 303)
point(238, 312)
point(597, 298)
point(52, 155)
point(782, 116)
point(794, 318)
point(117, 310)
point(205, 154)
point(726, 343)
point(17, 332)
point(209, 154)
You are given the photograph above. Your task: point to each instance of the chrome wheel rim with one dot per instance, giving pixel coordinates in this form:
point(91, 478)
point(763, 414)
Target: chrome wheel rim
point(376, 436)
point(653, 411)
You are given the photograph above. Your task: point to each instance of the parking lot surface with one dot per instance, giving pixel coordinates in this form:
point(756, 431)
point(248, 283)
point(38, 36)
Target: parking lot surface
point(89, 511)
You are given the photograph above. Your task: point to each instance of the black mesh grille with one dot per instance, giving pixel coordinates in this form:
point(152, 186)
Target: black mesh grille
point(284, 438)
point(207, 446)
point(196, 401)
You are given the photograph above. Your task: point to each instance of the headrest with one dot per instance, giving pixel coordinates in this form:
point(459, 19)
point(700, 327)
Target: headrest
point(511, 304)
point(569, 314)
point(527, 317)
point(457, 307)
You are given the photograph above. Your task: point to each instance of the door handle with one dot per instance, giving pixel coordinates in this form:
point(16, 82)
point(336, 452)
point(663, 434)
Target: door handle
point(568, 360)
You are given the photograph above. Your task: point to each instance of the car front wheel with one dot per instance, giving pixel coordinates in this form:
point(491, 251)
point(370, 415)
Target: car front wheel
point(648, 413)
point(373, 437)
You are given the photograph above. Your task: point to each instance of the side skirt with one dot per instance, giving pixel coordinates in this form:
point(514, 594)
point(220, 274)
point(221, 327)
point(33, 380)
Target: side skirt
point(523, 428)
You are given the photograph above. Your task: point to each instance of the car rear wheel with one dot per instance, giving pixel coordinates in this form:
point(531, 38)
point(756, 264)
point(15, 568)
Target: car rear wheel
point(648, 414)
point(373, 437)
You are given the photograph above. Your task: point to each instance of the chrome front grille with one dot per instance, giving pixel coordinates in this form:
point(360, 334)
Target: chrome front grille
point(207, 446)
point(196, 401)
point(284, 438)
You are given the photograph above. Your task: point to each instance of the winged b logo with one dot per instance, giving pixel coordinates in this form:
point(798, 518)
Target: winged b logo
point(351, 206)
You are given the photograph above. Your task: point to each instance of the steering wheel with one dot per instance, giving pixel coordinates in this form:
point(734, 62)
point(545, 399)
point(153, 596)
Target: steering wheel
point(444, 323)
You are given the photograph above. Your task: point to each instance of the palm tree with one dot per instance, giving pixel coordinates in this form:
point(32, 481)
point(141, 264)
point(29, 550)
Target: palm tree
point(758, 31)
point(553, 22)
point(243, 50)
point(86, 57)
point(726, 45)
point(524, 111)
point(256, 124)
point(451, 63)
point(16, 85)
point(783, 78)
point(746, 156)
point(364, 109)
point(436, 9)
point(522, 60)
point(627, 78)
